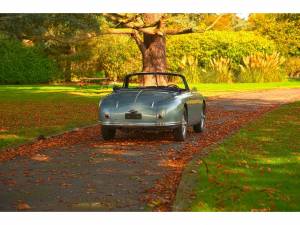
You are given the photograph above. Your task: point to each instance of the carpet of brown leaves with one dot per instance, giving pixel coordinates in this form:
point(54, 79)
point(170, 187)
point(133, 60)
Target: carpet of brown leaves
point(220, 124)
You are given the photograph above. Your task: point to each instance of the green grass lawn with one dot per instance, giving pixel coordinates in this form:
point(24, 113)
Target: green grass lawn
point(256, 169)
point(218, 89)
point(27, 111)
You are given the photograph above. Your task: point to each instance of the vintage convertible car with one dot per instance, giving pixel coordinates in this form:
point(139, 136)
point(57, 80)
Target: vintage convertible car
point(165, 103)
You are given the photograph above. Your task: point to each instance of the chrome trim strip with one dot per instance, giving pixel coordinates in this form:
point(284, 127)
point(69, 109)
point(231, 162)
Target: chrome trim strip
point(138, 94)
point(129, 124)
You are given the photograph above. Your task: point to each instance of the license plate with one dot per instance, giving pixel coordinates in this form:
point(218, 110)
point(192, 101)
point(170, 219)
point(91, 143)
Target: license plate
point(133, 116)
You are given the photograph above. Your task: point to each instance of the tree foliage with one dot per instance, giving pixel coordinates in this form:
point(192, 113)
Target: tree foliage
point(80, 44)
point(214, 44)
point(284, 29)
point(61, 36)
point(21, 64)
point(117, 56)
point(49, 28)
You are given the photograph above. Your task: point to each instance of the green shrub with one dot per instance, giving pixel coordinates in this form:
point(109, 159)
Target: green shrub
point(100, 74)
point(262, 68)
point(292, 67)
point(220, 71)
point(24, 64)
point(118, 55)
point(215, 44)
point(189, 67)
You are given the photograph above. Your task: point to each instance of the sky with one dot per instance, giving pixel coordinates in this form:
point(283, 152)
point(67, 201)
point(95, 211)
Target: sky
point(243, 15)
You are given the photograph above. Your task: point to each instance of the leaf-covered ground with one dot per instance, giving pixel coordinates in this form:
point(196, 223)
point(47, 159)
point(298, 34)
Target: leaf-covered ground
point(135, 172)
point(257, 169)
point(29, 111)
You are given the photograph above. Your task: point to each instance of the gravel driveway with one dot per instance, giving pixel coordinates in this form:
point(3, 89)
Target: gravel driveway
point(137, 171)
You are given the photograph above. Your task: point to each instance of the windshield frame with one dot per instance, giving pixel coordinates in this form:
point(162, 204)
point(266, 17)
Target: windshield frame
point(127, 78)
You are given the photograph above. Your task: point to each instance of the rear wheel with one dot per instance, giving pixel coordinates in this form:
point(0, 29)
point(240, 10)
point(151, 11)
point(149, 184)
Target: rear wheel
point(108, 133)
point(180, 132)
point(199, 127)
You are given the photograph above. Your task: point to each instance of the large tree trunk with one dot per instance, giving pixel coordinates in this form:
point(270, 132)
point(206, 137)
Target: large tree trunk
point(154, 54)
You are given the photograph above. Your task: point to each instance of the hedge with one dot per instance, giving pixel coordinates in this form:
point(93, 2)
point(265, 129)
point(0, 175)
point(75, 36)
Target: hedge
point(21, 64)
point(119, 55)
point(216, 44)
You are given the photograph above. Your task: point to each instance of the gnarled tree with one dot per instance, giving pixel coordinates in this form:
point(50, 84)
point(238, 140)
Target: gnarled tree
point(149, 31)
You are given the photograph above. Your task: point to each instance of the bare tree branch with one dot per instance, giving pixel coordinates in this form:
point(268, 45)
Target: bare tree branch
point(139, 42)
point(191, 30)
point(214, 23)
point(175, 32)
point(151, 31)
point(138, 23)
point(132, 29)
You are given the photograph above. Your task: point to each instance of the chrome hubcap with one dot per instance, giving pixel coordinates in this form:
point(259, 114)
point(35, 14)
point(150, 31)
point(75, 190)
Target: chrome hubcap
point(184, 126)
point(202, 121)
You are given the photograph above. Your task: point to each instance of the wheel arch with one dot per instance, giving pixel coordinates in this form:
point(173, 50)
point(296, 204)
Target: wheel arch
point(187, 111)
point(204, 106)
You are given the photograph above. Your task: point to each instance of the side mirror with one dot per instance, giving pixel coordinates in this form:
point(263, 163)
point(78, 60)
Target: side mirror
point(194, 89)
point(115, 88)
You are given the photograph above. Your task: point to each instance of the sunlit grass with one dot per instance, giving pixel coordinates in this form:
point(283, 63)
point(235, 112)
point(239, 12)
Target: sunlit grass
point(257, 169)
point(208, 89)
point(211, 89)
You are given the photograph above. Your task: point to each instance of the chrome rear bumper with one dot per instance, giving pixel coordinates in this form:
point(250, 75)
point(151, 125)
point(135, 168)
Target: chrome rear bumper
point(141, 124)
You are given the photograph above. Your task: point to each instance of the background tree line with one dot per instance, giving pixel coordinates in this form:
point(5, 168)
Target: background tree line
point(41, 48)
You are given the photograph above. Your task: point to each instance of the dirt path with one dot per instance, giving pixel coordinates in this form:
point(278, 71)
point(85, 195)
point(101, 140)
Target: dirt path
point(79, 171)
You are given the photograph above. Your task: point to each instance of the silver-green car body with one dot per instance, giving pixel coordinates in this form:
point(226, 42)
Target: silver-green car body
point(153, 107)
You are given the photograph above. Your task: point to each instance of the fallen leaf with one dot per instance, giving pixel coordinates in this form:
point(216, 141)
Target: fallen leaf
point(40, 157)
point(23, 206)
point(261, 210)
point(269, 191)
point(220, 166)
point(246, 188)
point(230, 172)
